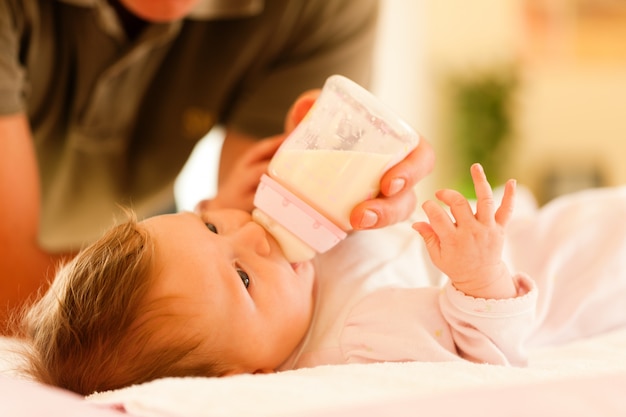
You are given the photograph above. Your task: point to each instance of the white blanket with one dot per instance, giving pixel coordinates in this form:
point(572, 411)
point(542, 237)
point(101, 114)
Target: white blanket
point(347, 388)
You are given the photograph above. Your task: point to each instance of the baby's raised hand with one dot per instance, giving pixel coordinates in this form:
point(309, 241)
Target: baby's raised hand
point(468, 248)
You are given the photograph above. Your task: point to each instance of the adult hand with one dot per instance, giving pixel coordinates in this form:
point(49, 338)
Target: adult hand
point(396, 200)
point(244, 160)
point(237, 190)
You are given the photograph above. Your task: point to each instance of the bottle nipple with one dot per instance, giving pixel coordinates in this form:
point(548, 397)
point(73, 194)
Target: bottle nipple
point(293, 248)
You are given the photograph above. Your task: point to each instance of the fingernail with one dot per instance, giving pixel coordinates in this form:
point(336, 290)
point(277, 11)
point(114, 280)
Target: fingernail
point(369, 219)
point(397, 184)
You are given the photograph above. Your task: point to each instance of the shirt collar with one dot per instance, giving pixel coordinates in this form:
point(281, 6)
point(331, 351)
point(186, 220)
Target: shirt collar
point(205, 9)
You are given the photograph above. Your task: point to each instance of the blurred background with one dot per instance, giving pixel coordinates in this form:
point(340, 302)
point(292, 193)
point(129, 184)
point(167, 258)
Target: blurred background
point(532, 89)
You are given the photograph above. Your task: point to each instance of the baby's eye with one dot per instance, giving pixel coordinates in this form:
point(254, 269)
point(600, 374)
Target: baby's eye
point(211, 227)
point(244, 277)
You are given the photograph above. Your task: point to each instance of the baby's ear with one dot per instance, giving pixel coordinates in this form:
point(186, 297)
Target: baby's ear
point(239, 371)
point(264, 371)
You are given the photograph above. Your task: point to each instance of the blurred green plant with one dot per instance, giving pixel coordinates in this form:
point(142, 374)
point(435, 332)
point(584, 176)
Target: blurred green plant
point(482, 123)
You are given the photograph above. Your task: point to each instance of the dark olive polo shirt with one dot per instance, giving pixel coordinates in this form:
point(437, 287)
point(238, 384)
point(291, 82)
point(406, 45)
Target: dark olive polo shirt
point(114, 120)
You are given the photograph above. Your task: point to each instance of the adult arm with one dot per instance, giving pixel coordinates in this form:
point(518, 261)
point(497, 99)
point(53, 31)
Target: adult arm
point(24, 266)
point(244, 158)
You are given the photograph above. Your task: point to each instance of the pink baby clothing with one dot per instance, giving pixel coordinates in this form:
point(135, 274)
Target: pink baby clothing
point(379, 297)
point(375, 301)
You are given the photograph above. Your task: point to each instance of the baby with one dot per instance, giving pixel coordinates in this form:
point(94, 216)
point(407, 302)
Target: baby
point(213, 295)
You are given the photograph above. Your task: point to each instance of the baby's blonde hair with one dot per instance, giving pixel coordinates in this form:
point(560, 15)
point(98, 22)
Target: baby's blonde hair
point(93, 330)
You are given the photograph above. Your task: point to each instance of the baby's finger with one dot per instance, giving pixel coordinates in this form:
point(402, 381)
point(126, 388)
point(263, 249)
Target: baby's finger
point(505, 211)
point(485, 204)
point(431, 240)
point(459, 206)
point(439, 219)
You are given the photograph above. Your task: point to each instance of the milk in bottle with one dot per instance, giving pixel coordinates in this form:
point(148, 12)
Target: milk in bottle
point(332, 161)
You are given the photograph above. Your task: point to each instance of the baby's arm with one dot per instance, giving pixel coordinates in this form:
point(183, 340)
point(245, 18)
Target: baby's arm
point(469, 249)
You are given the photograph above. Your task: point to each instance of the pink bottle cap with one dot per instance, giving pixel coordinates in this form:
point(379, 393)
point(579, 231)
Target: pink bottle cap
point(295, 215)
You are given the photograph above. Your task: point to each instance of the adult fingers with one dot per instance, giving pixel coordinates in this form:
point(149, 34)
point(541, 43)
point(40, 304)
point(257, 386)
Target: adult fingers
point(300, 108)
point(263, 150)
point(383, 211)
point(408, 172)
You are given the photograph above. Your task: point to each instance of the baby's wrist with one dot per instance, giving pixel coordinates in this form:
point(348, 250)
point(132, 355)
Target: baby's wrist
point(499, 284)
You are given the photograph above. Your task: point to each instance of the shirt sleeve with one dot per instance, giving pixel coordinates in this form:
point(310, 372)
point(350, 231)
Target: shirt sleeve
point(319, 39)
point(439, 324)
point(12, 79)
point(487, 330)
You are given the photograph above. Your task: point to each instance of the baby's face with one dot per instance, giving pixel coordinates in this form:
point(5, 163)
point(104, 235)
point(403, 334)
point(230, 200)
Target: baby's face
point(230, 279)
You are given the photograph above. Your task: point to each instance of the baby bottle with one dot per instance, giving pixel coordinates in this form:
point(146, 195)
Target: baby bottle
point(332, 161)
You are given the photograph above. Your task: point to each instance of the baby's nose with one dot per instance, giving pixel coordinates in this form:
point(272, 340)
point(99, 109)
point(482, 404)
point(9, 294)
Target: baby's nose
point(254, 236)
